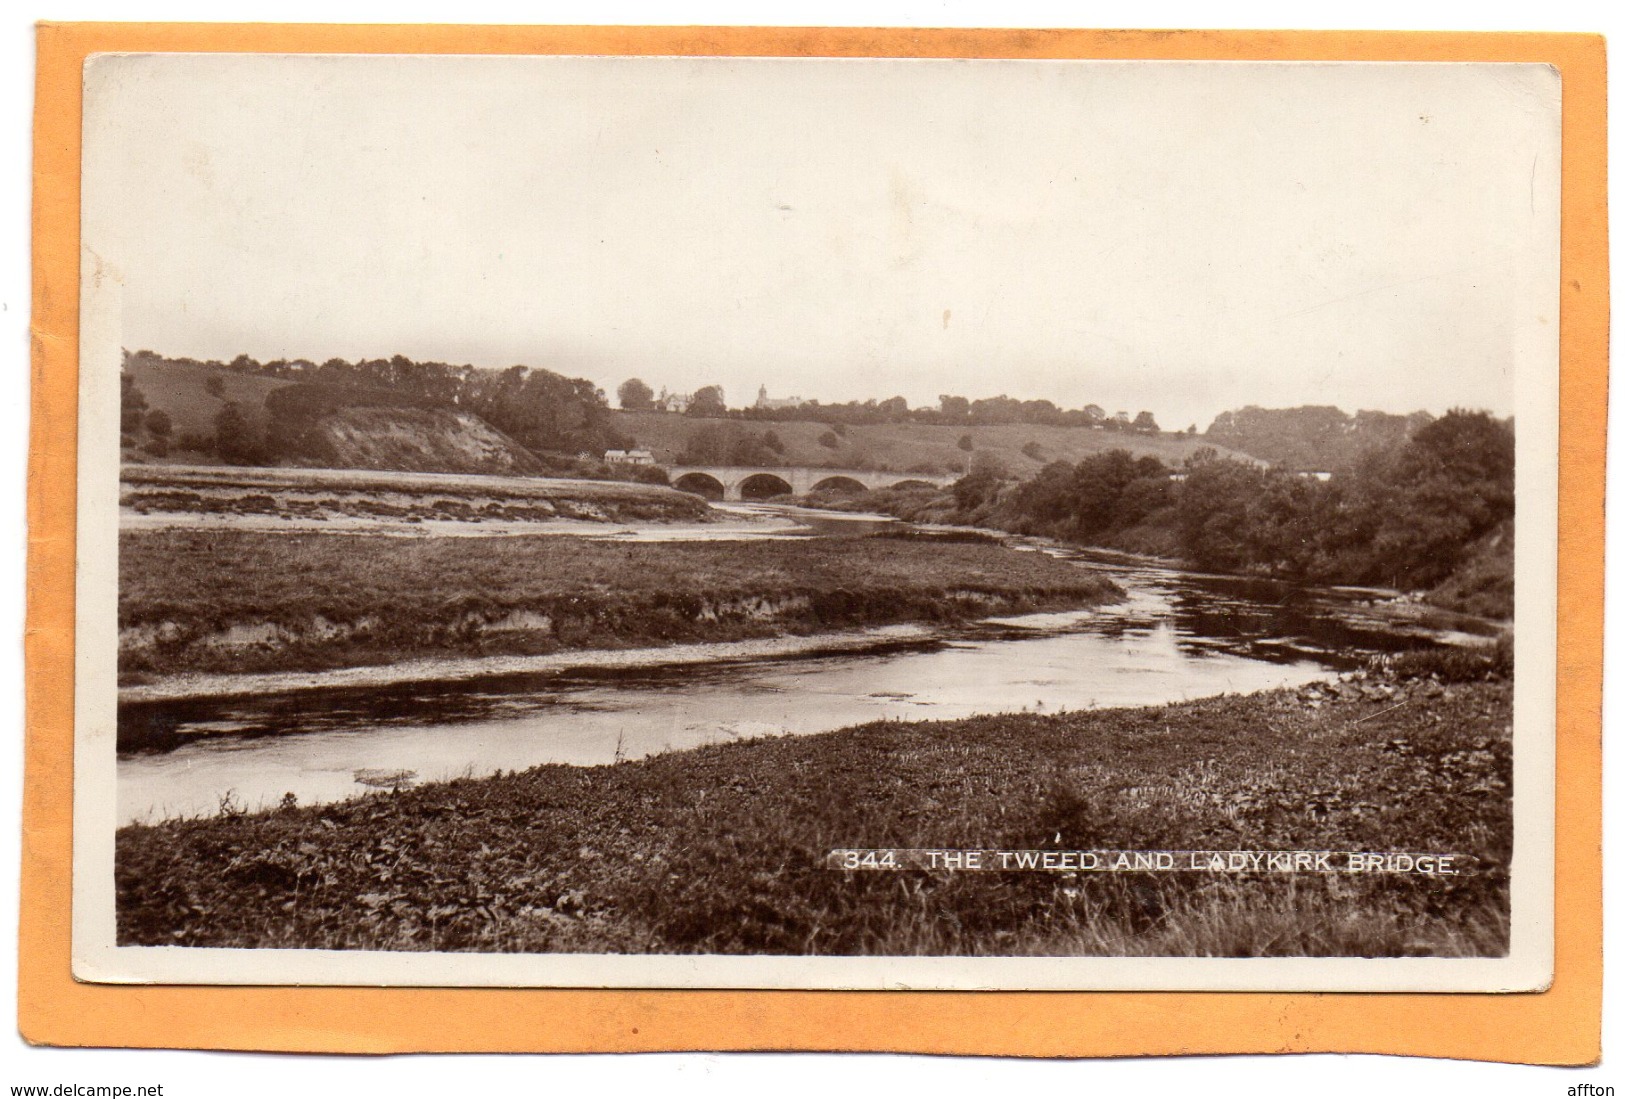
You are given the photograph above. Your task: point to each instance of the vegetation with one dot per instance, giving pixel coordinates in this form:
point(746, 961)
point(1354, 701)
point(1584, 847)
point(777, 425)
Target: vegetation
point(319, 495)
point(953, 411)
point(445, 382)
point(900, 447)
point(635, 395)
point(132, 406)
point(707, 401)
point(594, 469)
point(1482, 583)
point(191, 394)
point(721, 850)
point(235, 439)
point(1312, 437)
point(1434, 512)
point(543, 411)
point(725, 443)
point(235, 600)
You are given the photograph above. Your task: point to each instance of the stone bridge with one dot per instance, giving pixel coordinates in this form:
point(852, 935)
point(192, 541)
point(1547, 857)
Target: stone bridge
point(762, 482)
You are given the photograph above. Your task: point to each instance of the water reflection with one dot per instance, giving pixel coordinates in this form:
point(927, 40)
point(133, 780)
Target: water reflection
point(1176, 636)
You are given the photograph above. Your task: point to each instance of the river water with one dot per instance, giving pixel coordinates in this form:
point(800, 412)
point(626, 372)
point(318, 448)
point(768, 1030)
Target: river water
point(1177, 636)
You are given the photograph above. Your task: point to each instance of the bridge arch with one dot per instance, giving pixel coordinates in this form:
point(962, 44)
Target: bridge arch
point(849, 486)
point(911, 483)
point(700, 484)
point(762, 486)
point(729, 482)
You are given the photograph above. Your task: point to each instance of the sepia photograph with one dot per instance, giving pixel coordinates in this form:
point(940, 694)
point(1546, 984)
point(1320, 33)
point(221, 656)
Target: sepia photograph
point(816, 523)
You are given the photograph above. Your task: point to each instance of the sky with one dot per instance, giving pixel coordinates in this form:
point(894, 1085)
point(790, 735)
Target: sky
point(1177, 237)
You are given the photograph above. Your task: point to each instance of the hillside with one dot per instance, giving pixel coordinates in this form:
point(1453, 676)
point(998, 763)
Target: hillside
point(424, 439)
point(382, 415)
point(1312, 437)
point(182, 390)
point(382, 438)
point(921, 447)
point(1483, 583)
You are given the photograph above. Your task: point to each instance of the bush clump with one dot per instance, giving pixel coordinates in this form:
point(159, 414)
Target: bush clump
point(1454, 665)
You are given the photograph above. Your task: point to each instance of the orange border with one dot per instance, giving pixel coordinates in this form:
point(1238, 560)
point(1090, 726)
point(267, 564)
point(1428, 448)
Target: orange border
point(1561, 1026)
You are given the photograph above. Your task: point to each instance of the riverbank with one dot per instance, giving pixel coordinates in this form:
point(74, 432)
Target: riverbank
point(722, 849)
point(194, 686)
point(287, 499)
point(242, 602)
point(1218, 515)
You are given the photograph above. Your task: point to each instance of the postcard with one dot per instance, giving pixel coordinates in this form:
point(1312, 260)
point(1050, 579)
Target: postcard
point(893, 523)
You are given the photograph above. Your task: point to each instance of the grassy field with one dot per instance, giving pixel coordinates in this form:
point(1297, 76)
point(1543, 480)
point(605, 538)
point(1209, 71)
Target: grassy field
point(906, 446)
point(721, 849)
point(240, 601)
point(395, 496)
point(181, 390)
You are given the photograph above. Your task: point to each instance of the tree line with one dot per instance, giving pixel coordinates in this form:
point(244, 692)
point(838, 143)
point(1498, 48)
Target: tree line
point(1311, 437)
point(544, 412)
point(1405, 517)
point(635, 395)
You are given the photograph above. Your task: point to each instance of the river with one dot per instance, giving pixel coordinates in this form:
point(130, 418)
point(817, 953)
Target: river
point(1177, 635)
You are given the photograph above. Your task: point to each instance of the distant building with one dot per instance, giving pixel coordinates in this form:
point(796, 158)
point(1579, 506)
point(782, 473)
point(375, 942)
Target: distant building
point(673, 402)
point(764, 401)
point(629, 457)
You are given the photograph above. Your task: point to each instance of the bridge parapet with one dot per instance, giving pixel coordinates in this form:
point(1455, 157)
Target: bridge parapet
point(796, 480)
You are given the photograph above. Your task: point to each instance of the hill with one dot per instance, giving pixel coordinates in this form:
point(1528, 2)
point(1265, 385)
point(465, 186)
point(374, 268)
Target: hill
point(934, 448)
point(192, 393)
point(395, 414)
point(431, 440)
point(322, 429)
point(1483, 583)
point(1312, 437)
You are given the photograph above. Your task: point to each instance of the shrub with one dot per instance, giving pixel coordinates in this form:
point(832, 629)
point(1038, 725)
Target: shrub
point(196, 441)
point(235, 439)
point(752, 450)
point(1453, 664)
point(990, 465)
point(966, 443)
point(830, 440)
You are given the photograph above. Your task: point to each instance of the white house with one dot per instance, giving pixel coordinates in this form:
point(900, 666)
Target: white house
point(630, 457)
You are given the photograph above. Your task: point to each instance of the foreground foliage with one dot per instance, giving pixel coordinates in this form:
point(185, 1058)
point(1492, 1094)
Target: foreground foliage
point(719, 850)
